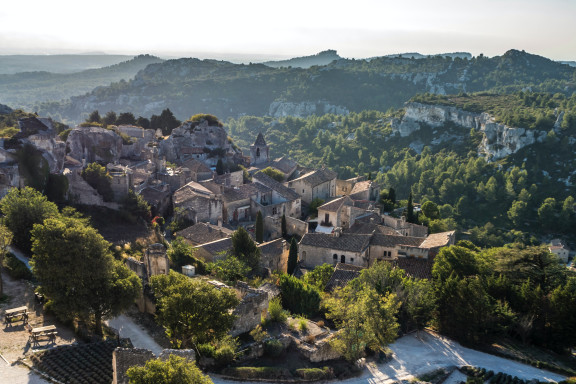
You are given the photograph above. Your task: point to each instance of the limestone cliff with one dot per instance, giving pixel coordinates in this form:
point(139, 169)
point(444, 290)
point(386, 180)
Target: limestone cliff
point(91, 144)
point(499, 140)
point(304, 109)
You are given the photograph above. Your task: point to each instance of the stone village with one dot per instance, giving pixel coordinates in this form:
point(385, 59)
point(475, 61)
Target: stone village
point(176, 176)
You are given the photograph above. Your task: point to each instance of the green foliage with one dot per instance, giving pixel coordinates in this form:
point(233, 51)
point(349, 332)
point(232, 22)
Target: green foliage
point(283, 226)
point(6, 237)
point(314, 374)
point(22, 208)
point(126, 118)
point(260, 373)
point(410, 216)
point(201, 117)
point(277, 313)
point(259, 334)
point(166, 122)
point(33, 167)
point(314, 204)
point(273, 347)
point(259, 231)
point(57, 188)
point(230, 269)
point(181, 253)
point(245, 249)
point(16, 268)
point(219, 167)
point(273, 173)
point(319, 276)
point(298, 296)
point(292, 256)
point(193, 312)
point(175, 370)
point(77, 273)
point(98, 177)
point(136, 206)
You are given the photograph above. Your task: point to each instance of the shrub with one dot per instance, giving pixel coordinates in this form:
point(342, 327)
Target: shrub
point(320, 323)
point(206, 350)
point(310, 339)
point(273, 347)
point(258, 334)
point(16, 268)
point(302, 324)
point(270, 373)
point(311, 374)
point(299, 297)
point(277, 313)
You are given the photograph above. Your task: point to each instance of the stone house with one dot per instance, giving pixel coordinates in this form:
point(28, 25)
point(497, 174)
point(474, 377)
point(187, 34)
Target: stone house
point(285, 165)
point(214, 250)
point(140, 139)
point(558, 248)
point(259, 151)
point(279, 201)
point(230, 179)
point(121, 181)
point(404, 227)
point(341, 212)
point(320, 183)
point(344, 187)
point(236, 201)
point(363, 249)
point(159, 197)
point(274, 255)
point(175, 178)
point(197, 203)
point(199, 171)
point(365, 190)
point(9, 172)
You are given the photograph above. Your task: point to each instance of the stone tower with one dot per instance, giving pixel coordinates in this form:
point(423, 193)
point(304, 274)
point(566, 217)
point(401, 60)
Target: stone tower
point(259, 151)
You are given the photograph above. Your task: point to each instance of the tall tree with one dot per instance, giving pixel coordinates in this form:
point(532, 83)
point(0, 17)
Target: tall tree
point(22, 208)
point(220, 167)
point(259, 228)
point(284, 227)
point(292, 256)
point(94, 117)
point(110, 118)
point(245, 249)
point(143, 122)
point(98, 177)
point(410, 216)
point(193, 312)
point(175, 370)
point(126, 118)
point(77, 272)
point(5, 240)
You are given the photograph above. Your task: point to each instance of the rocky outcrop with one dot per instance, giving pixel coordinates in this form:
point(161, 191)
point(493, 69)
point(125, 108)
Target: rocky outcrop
point(92, 144)
point(194, 140)
point(305, 108)
point(498, 141)
point(5, 110)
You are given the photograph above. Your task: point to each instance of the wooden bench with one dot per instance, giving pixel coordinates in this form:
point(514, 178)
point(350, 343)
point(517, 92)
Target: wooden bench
point(49, 331)
point(21, 312)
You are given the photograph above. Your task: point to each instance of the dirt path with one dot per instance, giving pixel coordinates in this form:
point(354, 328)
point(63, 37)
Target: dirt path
point(18, 374)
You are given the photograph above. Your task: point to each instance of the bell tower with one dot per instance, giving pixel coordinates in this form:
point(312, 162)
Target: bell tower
point(259, 151)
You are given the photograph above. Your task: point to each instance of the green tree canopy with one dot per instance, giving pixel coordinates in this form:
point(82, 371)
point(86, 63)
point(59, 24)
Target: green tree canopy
point(175, 370)
point(193, 312)
point(78, 274)
point(245, 249)
point(273, 173)
point(5, 240)
point(292, 256)
point(98, 177)
point(22, 208)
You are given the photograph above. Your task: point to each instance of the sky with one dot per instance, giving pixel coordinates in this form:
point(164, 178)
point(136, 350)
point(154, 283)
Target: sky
point(280, 29)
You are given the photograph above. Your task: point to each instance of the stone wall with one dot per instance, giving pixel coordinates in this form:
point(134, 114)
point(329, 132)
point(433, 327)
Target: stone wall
point(80, 192)
point(249, 312)
point(295, 226)
point(314, 256)
point(124, 358)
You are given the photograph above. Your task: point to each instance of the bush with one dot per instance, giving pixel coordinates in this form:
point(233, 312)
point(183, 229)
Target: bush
point(16, 268)
point(273, 347)
point(277, 313)
point(206, 350)
point(299, 297)
point(302, 324)
point(248, 373)
point(311, 374)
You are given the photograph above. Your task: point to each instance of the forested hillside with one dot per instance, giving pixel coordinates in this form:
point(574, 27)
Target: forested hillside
point(231, 90)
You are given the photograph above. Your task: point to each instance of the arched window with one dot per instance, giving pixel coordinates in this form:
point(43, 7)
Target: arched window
point(335, 257)
point(343, 259)
point(257, 152)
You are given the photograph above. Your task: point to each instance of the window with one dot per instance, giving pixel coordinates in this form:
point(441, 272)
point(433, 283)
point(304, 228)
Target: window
point(351, 259)
point(275, 210)
point(335, 256)
point(343, 259)
point(257, 152)
point(327, 218)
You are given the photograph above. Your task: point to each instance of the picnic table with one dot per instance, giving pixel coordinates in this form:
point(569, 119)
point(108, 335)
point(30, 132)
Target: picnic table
point(49, 330)
point(16, 312)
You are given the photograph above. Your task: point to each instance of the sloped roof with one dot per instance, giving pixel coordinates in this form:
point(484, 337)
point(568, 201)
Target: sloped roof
point(317, 177)
point(269, 182)
point(202, 233)
point(344, 242)
point(392, 241)
point(361, 186)
point(369, 217)
point(154, 195)
point(284, 165)
point(343, 274)
point(368, 228)
point(436, 240)
point(417, 268)
point(272, 248)
point(260, 142)
point(190, 191)
point(216, 247)
point(196, 166)
point(334, 205)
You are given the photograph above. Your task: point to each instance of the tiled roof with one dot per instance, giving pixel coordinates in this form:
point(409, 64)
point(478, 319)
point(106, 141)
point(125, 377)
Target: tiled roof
point(272, 248)
point(417, 268)
point(343, 274)
point(392, 241)
point(344, 242)
point(190, 191)
point(216, 247)
point(154, 195)
point(264, 179)
point(284, 164)
point(196, 166)
point(318, 177)
point(192, 150)
point(436, 240)
point(260, 140)
point(369, 217)
point(361, 186)
point(231, 194)
point(368, 228)
point(334, 205)
point(202, 233)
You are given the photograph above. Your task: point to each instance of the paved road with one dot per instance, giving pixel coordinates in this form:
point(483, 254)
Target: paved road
point(18, 374)
point(139, 337)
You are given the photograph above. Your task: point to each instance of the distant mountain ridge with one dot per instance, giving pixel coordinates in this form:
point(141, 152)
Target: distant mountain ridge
point(322, 58)
point(416, 55)
point(231, 90)
point(11, 64)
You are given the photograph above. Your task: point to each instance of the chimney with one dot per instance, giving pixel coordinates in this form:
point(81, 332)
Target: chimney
point(219, 222)
point(337, 232)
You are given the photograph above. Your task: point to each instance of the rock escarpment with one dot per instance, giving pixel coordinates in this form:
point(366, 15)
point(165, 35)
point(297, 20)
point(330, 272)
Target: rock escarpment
point(90, 144)
point(304, 109)
point(499, 140)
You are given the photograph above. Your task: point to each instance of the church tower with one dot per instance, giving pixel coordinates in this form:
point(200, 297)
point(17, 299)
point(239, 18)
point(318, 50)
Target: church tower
point(259, 151)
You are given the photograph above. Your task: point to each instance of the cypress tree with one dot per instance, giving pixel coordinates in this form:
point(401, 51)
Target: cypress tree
point(292, 256)
point(259, 228)
point(220, 167)
point(284, 227)
point(410, 217)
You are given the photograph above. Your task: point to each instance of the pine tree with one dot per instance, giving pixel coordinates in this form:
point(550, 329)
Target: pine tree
point(259, 227)
point(284, 227)
point(292, 256)
point(410, 217)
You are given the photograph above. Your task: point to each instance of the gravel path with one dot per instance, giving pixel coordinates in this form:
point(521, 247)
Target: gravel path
point(18, 374)
point(139, 337)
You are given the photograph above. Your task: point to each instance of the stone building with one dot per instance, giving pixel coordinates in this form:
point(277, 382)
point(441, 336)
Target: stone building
point(259, 151)
point(320, 183)
point(279, 201)
point(197, 203)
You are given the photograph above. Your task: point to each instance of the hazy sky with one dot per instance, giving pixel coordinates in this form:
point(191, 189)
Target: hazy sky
point(360, 28)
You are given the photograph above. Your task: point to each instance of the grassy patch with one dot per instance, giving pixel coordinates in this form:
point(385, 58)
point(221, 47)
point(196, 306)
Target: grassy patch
point(269, 373)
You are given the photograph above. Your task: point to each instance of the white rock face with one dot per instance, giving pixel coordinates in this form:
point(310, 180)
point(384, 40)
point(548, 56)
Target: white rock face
point(94, 144)
point(499, 140)
point(304, 109)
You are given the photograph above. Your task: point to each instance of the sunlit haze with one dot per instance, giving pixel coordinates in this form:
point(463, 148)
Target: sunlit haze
point(266, 29)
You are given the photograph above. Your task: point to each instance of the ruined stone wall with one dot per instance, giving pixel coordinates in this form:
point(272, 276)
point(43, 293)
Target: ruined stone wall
point(295, 226)
point(80, 192)
point(124, 358)
point(250, 310)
